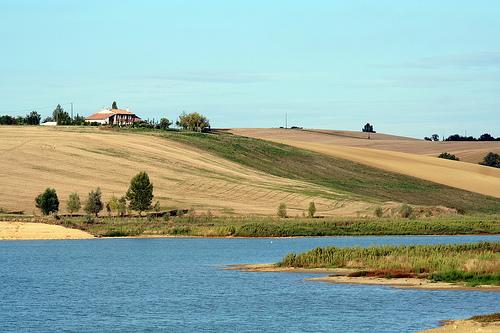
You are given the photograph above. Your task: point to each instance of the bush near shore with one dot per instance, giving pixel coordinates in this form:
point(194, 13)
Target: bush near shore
point(477, 263)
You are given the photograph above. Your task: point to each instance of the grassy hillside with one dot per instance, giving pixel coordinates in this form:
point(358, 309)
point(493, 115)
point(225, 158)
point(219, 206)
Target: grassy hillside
point(340, 175)
point(377, 153)
point(79, 159)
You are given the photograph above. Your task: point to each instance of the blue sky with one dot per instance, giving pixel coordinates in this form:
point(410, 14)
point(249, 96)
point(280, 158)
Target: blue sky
point(409, 67)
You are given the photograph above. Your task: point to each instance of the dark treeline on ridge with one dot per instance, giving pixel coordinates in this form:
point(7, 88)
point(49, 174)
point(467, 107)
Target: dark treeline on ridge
point(483, 137)
point(458, 137)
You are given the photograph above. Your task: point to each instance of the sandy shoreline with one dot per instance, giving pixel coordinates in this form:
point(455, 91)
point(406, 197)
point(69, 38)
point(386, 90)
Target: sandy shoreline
point(340, 276)
point(38, 231)
point(465, 326)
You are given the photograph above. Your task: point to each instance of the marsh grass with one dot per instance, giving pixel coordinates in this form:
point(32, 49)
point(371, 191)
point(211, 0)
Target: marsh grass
point(477, 263)
point(213, 226)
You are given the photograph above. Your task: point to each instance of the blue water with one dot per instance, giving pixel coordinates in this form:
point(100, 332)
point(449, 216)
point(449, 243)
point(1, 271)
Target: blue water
point(176, 285)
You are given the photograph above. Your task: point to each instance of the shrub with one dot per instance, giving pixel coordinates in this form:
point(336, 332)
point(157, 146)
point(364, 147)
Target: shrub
point(491, 160)
point(180, 230)
point(112, 205)
point(193, 122)
point(89, 219)
point(282, 210)
point(312, 209)
point(73, 204)
point(140, 192)
point(448, 156)
point(379, 212)
point(94, 204)
point(164, 123)
point(47, 201)
point(122, 206)
point(406, 211)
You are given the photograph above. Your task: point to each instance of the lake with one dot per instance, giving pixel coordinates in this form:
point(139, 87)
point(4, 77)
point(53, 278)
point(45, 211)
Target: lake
point(176, 284)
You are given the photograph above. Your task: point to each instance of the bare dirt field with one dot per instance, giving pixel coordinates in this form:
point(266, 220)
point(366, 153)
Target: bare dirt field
point(37, 231)
point(396, 154)
point(81, 159)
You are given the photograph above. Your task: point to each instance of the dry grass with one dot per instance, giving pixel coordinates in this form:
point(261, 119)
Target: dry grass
point(396, 154)
point(80, 159)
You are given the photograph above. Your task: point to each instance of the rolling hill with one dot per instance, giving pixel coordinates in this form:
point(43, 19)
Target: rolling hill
point(225, 173)
point(396, 154)
point(81, 159)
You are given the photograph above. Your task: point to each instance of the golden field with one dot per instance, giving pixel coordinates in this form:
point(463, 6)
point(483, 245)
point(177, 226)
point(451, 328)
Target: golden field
point(397, 154)
point(82, 158)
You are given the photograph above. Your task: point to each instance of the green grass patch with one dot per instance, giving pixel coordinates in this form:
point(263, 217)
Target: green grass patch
point(471, 278)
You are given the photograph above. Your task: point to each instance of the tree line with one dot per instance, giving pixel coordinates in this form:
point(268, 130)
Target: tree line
point(139, 197)
point(458, 137)
point(193, 121)
point(32, 118)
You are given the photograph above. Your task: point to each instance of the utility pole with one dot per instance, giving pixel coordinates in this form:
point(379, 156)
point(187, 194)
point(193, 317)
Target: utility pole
point(71, 110)
point(286, 120)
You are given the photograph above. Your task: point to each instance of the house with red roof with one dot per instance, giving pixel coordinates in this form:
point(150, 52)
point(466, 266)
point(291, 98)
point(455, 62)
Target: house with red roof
point(113, 117)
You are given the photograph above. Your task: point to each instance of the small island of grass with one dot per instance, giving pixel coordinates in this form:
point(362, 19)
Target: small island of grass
point(415, 266)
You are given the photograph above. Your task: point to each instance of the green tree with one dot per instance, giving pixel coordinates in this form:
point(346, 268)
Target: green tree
point(114, 106)
point(47, 201)
point(140, 192)
point(7, 120)
point(94, 204)
point(164, 123)
point(492, 160)
point(282, 210)
point(486, 137)
point(435, 137)
point(112, 205)
point(61, 116)
point(20, 120)
point(122, 206)
point(193, 122)
point(368, 128)
point(312, 209)
point(73, 205)
point(32, 118)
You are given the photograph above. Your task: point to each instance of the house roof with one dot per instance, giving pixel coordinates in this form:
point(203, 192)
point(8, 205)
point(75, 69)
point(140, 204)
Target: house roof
point(120, 111)
point(106, 113)
point(99, 116)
